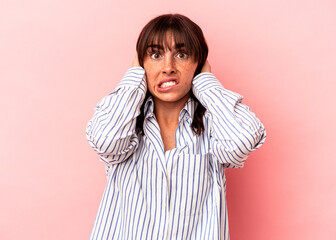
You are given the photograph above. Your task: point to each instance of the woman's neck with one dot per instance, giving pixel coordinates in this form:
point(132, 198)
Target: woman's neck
point(167, 116)
point(167, 113)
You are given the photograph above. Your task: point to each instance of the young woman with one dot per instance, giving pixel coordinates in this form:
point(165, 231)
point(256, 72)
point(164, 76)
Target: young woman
point(166, 135)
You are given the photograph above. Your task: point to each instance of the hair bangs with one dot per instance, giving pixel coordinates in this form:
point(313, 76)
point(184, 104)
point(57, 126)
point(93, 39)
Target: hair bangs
point(164, 37)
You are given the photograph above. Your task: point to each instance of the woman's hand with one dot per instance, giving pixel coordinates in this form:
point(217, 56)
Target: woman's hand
point(136, 61)
point(206, 67)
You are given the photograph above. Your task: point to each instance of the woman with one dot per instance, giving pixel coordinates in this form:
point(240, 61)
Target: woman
point(166, 135)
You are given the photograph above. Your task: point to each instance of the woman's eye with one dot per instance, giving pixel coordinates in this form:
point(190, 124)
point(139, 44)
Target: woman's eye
point(182, 55)
point(155, 55)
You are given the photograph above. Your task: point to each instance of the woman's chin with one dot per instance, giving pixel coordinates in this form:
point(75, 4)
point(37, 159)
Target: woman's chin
point(172, 98)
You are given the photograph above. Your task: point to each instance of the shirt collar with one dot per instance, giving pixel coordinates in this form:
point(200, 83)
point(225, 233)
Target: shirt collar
point(149, 107)
point(187, 111)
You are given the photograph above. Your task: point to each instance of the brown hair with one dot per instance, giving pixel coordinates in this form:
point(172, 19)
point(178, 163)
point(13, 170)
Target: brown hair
point(184, 31)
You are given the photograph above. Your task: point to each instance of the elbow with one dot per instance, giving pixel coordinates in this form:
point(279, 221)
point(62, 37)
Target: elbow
point(95, 140)
point(250, 141)
point(111, 149)
point(239, 147)
point(258, 137)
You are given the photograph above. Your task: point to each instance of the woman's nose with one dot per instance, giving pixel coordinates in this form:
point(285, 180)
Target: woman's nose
point(169, 65)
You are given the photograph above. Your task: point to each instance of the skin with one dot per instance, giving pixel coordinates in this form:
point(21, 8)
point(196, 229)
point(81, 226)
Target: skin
point(161, 65)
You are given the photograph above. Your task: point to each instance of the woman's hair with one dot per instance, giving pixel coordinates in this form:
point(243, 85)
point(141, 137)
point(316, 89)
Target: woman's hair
point(184, 31)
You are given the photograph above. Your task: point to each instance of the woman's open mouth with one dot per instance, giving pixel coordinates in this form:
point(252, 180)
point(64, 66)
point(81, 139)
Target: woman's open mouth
point(167, 84)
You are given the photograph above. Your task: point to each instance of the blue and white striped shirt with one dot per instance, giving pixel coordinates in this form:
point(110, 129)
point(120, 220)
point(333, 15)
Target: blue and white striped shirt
point(180, 193)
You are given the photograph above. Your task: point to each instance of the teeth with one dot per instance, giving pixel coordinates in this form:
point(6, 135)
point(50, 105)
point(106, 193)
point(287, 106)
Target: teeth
point(168, 84)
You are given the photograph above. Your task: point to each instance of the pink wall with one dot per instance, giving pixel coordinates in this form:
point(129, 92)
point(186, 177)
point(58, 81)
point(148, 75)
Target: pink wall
point(58, 59)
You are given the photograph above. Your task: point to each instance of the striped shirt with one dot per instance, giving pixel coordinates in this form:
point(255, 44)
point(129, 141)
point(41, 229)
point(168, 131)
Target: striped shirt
point(180, 193)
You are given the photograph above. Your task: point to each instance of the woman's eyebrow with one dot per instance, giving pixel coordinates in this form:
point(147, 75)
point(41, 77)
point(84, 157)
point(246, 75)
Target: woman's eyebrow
point(179, 45)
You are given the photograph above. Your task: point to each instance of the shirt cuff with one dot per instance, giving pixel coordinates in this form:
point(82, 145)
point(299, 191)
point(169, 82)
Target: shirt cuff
point(205, 81)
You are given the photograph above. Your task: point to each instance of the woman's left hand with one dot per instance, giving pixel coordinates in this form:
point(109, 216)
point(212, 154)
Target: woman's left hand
point(206, 67)
point(136, 61)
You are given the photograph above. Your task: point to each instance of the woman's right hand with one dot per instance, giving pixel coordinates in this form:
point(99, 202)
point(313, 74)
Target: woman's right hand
point(136, 61)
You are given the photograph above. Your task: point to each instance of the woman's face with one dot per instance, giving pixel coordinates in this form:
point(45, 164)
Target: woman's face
point(169, 72)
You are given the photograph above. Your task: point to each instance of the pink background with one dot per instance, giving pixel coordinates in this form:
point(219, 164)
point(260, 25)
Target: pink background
point(59, 58)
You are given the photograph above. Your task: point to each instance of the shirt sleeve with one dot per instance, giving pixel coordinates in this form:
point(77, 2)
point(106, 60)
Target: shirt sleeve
point(111, 131)
point(235, 131)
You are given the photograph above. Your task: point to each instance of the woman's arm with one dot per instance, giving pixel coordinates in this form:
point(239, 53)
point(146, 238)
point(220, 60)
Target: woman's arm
point(235, 131)
point(111, 131)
